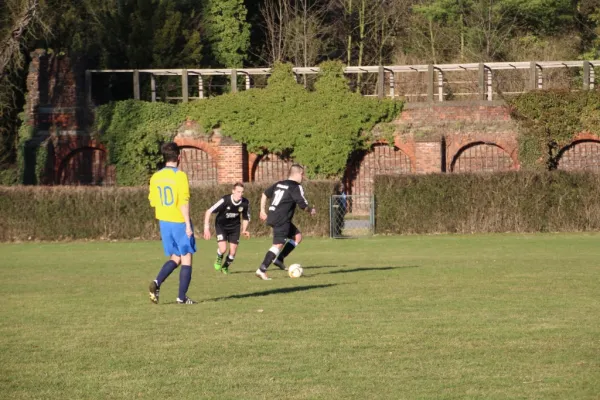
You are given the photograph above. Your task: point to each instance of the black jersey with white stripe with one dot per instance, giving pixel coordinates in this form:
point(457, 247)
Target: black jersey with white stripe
point(284, 195)
point(228, 211)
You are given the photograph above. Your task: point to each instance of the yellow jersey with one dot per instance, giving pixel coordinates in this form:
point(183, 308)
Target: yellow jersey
point(169, 189)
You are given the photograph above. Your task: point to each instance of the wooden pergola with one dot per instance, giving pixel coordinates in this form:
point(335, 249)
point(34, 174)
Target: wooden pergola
point(434, 76)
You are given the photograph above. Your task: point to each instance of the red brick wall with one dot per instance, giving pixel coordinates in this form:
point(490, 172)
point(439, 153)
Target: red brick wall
point(53, 98)
point(442, 132)
point(429, 138)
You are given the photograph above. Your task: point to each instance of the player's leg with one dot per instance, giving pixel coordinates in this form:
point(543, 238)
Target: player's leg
point(221, 247)
point(294, 238)
point(186, 247)
point(279, 238)
point(168, 242)
point(233, 237)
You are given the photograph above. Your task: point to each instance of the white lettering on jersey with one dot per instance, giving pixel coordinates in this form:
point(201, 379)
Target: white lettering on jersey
point(279, 185)
point(278, 194)
point(231, 215)
point(302, 193)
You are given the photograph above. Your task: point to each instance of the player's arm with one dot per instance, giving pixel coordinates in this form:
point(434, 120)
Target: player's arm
point(245, 228)
point(213, 209)
point(183, 187)
point(263, 204)
point(152, 193)
point(300, 199)
point(246, 221)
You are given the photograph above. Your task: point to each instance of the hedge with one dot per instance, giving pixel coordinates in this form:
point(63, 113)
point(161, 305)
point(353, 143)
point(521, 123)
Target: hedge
point(62, 213)
point(554, 201)
point(522, 201)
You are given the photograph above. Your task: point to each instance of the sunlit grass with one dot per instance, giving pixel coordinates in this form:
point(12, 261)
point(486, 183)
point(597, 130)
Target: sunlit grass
point(452, 317)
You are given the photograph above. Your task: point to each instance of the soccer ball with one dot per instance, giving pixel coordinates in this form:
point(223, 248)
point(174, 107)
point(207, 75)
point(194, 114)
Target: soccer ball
point(295, 271)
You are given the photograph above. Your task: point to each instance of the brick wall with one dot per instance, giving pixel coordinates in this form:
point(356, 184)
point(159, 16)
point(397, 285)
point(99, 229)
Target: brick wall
point(430, 137)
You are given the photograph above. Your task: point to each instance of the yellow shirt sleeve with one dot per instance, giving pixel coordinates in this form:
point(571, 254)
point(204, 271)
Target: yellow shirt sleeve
point(153, 193)
point(183, 188)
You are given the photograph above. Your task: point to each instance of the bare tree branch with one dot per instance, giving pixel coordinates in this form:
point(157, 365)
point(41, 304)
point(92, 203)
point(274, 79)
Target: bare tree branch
point(10, 44)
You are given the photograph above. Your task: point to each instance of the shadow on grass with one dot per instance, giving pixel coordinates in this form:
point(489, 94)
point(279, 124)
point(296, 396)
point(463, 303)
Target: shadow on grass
point(275, 268)
point(273, 291)
point(361, 269)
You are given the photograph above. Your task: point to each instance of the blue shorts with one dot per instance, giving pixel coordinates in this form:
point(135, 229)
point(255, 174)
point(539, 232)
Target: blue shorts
point(174, 239)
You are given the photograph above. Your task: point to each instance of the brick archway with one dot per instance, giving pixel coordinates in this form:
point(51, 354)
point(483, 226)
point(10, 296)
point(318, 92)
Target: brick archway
point(363, 166)
point(83, 166)
point(580, 155)
point(199, 165)
point(481, 157)
point(270, 168)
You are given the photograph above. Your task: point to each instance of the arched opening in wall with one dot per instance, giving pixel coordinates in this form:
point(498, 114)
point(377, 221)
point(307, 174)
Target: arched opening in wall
point(364, 166)
point(84, 166)
point(271, 168)
point(580, 155)
point(199, 166)
point(481, 157)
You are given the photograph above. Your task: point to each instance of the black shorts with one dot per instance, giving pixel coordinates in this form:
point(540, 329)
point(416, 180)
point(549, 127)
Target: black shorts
point(231, 235)
point(283, 232)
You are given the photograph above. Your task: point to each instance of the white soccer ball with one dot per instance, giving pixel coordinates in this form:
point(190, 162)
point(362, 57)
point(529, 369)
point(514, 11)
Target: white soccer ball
point(295, 271)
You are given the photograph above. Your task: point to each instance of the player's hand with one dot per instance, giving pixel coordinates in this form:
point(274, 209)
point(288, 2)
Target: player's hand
point(188, 231)
point(246, 234)
point(263, 215)
point(207, 233)
point(313, 211)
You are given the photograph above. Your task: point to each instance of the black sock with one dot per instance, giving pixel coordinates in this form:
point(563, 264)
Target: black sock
point(185, 276)
point(290, 245)
point(228, 260)
point(165, 271)
point(269, 257)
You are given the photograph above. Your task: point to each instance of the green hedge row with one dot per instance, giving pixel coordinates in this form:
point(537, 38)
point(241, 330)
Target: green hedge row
point(60, 213)
point(407, 204)
point(502, 202)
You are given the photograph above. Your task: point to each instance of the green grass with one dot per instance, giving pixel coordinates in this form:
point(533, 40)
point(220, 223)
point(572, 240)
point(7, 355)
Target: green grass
point(436, 317)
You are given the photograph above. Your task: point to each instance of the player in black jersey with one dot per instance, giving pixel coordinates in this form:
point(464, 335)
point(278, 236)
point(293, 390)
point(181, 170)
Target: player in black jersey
point(285, 196)
point(229, 208)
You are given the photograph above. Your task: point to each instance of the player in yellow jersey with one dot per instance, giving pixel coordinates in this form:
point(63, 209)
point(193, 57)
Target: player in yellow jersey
point(170, 197)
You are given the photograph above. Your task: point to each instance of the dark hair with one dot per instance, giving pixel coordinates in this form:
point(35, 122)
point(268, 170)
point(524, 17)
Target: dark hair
point(238, 184)
point(170, 151)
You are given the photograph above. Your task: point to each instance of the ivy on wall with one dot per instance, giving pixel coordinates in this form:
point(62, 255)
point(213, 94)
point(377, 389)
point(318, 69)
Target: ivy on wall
point(319, 128)
point(548, 121)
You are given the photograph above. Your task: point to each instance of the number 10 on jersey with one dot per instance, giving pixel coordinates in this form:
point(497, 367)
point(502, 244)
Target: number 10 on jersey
point(166, 195)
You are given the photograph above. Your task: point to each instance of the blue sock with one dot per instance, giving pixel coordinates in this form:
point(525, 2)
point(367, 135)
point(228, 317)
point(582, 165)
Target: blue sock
point(185, 276)
point(165, 271)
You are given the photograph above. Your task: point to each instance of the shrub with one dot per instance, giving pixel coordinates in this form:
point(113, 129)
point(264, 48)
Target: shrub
point(60, 213)
point(500, 202)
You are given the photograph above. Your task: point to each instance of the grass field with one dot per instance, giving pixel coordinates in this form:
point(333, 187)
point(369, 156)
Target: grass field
point(436, 317)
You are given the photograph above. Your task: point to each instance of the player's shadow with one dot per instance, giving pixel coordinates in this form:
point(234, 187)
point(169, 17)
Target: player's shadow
point(362, 269)
point(274, 268)
point(322, 266)
point(273, 291)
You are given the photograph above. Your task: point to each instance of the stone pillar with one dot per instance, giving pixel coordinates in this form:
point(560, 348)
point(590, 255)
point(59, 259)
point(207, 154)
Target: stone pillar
point(230, 163)
point(428, 156)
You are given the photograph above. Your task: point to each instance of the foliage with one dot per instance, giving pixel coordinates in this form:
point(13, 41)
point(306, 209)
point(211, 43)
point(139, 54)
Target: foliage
point(548, 122)
point(318, 129)
point(133, 131)
point(61, 213)
point(32, 155)
point(227, 32)
point(524, 201)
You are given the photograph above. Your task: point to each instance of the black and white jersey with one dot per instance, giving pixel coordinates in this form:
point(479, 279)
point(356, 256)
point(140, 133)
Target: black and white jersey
point(284, 195)
point(228, 211)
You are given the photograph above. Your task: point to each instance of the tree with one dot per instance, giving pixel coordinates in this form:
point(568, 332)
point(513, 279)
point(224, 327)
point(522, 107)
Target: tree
point(227, 32)
point(19, 20)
